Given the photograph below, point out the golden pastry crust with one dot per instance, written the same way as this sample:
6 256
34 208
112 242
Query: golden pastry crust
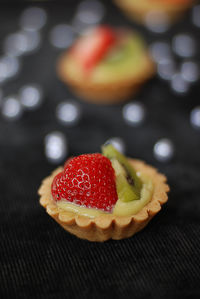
104 93
138 13
107 226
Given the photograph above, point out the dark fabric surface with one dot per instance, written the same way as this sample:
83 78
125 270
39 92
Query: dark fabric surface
38 259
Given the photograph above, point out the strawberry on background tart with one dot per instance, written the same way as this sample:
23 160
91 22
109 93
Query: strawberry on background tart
103 196
106 65
139 10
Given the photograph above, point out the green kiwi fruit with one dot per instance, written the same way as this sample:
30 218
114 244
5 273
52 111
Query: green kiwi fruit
128 183
124 189
121 62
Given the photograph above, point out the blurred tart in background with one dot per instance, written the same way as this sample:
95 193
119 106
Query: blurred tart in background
142 10
106 65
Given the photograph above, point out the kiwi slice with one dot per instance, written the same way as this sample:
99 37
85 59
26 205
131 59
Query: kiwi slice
124 189
118 54
129 175
123 62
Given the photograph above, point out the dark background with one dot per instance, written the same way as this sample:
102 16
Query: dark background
38 259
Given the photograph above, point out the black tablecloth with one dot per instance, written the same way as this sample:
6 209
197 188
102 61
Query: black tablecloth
38 259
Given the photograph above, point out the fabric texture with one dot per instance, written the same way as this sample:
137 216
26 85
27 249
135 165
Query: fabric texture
38 259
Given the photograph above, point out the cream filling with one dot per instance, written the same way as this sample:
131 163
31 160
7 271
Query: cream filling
120 209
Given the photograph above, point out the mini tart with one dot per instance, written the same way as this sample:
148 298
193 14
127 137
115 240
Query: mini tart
107 226
106 89
138 10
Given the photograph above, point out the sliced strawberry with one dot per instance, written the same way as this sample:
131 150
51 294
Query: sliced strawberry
90 49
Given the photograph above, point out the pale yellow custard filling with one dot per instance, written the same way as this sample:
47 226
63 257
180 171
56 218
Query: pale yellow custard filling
121 208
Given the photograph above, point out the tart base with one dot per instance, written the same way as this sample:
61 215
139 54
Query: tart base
107 226
139 13
103 93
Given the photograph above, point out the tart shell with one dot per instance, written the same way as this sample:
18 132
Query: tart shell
104 93
107 226
139 14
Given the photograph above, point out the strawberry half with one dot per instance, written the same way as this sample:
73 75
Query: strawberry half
88 181
90 49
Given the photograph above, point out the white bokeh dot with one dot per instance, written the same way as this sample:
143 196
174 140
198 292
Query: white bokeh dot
62 36
68 113
157 21
11 108
190 71
33 18
22 42
160 51
1 96
184 45
90 12
179 85
166 69
30 96
9 67
134 113
118 143
163 150
195 117
56 148
196 15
